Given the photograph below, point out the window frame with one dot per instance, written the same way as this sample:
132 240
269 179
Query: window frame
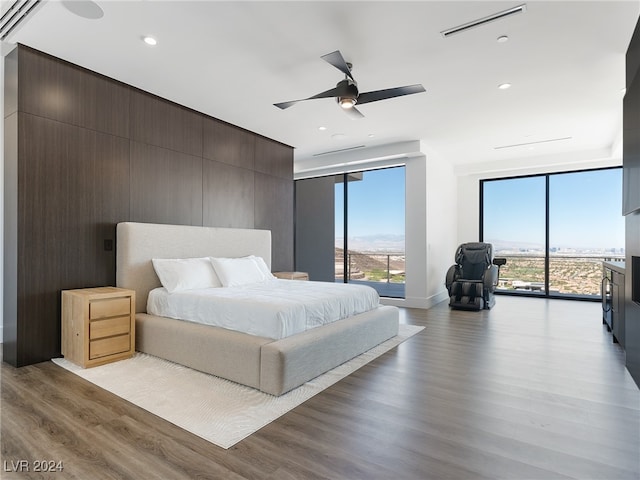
547 247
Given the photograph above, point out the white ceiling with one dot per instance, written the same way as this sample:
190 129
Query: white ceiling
234 60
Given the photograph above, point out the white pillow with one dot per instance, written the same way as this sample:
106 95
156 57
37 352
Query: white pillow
262 265
178 274
235 272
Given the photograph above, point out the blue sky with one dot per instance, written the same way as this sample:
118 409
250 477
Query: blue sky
585 210
376 204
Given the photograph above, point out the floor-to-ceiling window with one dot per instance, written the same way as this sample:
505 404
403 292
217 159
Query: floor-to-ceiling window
370 216
514 222
555 230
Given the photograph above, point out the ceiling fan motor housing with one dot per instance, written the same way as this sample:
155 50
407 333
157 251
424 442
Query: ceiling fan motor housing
349 93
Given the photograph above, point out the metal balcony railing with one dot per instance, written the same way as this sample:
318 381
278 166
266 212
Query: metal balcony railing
570 275
375 267
385 272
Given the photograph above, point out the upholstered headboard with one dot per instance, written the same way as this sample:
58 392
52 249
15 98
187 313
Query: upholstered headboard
138 243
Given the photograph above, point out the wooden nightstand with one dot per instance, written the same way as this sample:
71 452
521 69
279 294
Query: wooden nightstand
292 275
98 325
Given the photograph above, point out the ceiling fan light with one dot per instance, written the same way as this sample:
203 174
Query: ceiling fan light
346 102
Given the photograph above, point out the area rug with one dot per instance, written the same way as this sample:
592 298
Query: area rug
218 410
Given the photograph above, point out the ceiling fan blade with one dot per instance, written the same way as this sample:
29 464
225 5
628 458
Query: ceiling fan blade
354 113
339 91
368 97
337 60
284 105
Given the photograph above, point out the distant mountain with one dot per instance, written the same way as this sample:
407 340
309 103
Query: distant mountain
375 243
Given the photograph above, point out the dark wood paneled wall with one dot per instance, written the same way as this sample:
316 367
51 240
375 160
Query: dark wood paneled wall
84 152
631 153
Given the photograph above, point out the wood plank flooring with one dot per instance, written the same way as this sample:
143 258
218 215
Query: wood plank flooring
532 389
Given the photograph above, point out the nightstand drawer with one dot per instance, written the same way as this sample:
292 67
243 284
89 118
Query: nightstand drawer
109 346
110 307
109 327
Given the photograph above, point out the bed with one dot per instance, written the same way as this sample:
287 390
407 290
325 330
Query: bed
272 365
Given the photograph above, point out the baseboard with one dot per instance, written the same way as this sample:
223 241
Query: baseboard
439 297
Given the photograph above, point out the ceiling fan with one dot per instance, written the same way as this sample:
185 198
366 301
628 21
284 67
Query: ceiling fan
346 91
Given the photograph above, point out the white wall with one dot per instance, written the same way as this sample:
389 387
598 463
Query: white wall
416 280
467 219
442 215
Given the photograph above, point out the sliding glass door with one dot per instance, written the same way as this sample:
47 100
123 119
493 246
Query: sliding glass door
370 216
514 222
585 226
555 230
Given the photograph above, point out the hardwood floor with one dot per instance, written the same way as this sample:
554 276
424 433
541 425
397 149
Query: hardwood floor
532 389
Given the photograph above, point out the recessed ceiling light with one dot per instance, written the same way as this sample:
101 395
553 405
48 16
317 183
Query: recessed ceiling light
322 129
504 86
371 135
502 39
149 40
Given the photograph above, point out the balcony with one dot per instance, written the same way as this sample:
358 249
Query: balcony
385 272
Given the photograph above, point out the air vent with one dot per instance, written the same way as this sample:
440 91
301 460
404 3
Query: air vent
16 14
482 21
338 151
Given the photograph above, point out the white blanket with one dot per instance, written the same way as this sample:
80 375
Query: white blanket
273 309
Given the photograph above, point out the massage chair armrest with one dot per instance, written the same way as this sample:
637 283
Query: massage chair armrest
499 261
490 278
452 275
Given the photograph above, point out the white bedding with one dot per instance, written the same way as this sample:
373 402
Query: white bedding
273 309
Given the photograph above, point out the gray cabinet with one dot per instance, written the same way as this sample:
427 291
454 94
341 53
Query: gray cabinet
613 306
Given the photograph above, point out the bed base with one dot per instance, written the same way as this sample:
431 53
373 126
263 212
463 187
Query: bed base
272 366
